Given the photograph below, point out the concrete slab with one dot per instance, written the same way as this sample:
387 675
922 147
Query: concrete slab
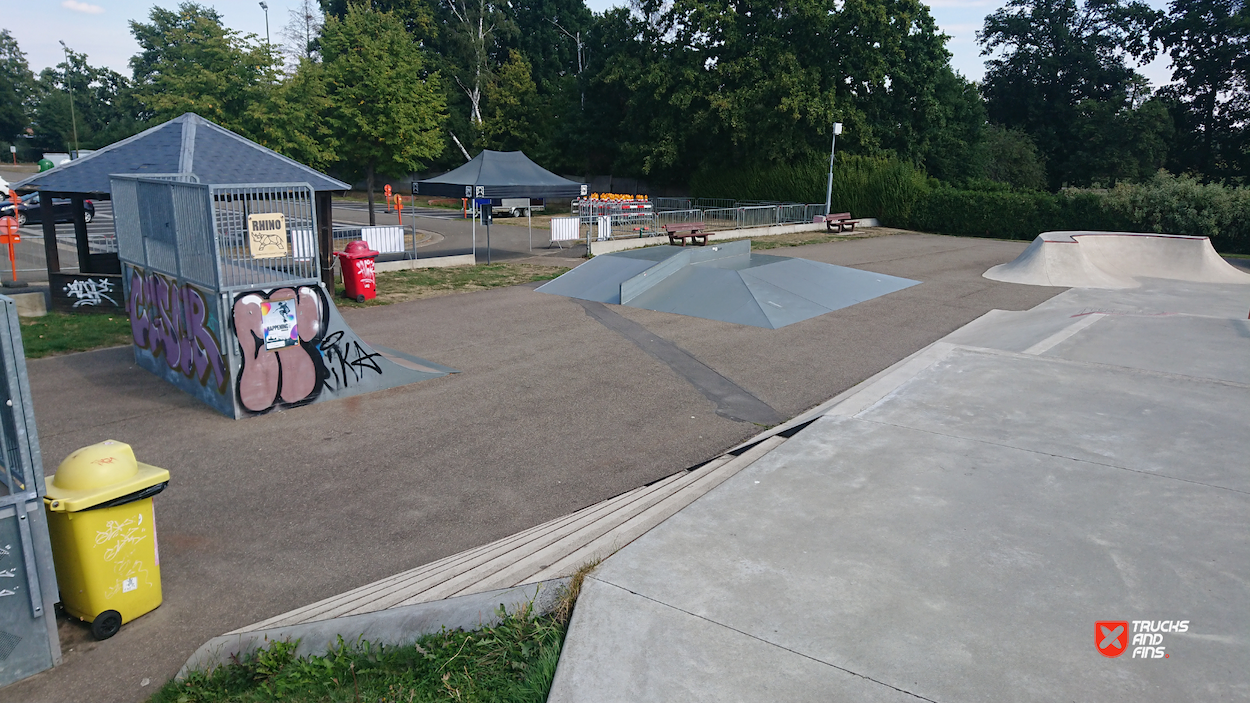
1180 426
949 568
712 659
955 529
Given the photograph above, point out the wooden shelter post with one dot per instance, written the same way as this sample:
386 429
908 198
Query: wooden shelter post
76 209
50 251
325 238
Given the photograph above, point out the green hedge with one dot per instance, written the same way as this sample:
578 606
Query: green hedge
864 186
1007 215
899 195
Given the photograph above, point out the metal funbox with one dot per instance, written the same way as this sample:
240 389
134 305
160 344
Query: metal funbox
222 289
28 589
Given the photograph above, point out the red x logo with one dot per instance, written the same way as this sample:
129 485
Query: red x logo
1111 637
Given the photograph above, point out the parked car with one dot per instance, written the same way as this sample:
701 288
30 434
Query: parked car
28 210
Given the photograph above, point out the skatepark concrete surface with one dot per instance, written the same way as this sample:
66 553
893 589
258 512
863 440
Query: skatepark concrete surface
553 410
1116 260
953 529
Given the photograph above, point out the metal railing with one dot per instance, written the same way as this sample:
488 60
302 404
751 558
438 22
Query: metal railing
199 233
231 206
738 215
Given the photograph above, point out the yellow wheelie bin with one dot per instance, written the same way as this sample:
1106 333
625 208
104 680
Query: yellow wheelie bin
99 507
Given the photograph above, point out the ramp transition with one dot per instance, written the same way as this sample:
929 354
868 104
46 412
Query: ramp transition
725 282
1115 260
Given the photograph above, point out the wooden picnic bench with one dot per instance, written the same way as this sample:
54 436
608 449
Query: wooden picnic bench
686 230
842 220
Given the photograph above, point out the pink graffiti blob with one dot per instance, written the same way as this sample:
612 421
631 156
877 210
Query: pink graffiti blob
289 373
173 321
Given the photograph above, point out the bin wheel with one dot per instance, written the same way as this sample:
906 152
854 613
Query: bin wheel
360 298
106 624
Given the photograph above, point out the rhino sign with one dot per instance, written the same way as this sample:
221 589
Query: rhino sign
266 235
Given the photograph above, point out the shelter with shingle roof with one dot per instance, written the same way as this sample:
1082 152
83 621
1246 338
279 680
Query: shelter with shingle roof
188 146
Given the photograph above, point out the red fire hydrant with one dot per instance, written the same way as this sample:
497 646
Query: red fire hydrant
360 281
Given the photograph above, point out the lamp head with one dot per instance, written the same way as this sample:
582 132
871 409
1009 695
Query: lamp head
837 128
264 7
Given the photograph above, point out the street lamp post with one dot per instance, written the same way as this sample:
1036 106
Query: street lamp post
73 120
265 7
837 129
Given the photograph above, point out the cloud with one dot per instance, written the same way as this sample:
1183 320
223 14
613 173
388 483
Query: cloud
86 7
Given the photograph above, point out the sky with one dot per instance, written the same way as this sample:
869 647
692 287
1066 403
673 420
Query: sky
101 30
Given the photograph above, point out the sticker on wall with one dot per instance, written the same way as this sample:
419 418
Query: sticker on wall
266 235
279 324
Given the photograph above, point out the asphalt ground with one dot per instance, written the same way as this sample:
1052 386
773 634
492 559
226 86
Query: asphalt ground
553 411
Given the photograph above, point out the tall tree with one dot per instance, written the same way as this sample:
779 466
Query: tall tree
516 119
1062 74
16 87
1209 44
104 107
385 108
189 62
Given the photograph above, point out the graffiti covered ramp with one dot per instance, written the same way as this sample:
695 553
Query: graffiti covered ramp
723 282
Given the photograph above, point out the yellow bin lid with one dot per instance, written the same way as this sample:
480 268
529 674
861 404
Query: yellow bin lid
97 474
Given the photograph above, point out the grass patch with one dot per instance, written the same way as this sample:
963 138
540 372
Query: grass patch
61 333
413 284
512 661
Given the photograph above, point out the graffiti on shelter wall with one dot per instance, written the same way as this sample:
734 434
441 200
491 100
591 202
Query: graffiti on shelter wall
176 322
290 354
89 291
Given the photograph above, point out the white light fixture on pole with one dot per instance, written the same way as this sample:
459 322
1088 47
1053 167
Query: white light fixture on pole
72 119
837 129
265 7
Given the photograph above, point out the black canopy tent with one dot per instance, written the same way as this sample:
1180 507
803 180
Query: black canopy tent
186 146
496 175
500 174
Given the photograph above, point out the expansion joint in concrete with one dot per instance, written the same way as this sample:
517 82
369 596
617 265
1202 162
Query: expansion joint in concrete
732 401
761 640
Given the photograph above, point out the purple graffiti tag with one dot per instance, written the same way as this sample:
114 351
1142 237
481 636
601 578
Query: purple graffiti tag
174 321
201 341
137 306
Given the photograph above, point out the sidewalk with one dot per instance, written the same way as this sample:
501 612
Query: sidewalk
953 530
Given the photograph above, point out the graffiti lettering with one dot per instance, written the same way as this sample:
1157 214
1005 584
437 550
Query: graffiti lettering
347 363
89 291
289 373
174 321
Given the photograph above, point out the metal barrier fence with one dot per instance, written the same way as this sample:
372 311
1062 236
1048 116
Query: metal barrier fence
670 204
738 215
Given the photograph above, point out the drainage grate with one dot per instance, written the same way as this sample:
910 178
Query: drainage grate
8 643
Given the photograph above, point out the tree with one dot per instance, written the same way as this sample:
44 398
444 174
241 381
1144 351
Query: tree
1209 44
104 108
385 109
292 118
302 29
1063 76
516 120
16 87
189 62
1010 157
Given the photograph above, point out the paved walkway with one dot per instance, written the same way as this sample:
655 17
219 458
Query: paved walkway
954 529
